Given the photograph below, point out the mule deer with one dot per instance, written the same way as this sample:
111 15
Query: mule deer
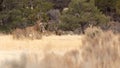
31 32
34 32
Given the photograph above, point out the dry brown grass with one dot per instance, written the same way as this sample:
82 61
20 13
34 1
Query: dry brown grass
51 49
95 49
69 60
53 42
34 60
100 49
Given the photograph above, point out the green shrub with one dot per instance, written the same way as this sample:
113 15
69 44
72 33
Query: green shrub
81 14
118 7
108 5
105 4
20 13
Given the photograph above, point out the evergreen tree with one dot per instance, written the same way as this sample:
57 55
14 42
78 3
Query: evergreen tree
20 13
117 7
81 14
105 5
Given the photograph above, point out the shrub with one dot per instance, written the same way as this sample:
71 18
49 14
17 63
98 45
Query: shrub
22 13
69 60
108 5
105 5
60 4
117 6
101 51
81 13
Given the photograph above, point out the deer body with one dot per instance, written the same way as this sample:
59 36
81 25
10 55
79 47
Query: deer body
31 32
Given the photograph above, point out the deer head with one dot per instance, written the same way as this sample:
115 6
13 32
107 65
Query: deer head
40 26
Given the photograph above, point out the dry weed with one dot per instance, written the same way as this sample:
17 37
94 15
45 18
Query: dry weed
100 49
18 33
15 63
68 60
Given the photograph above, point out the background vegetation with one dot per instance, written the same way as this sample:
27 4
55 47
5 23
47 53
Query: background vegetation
21 13
78 16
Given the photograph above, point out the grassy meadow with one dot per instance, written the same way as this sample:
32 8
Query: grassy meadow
97 49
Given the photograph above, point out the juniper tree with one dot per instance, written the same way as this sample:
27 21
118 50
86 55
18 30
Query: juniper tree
20 13
81 14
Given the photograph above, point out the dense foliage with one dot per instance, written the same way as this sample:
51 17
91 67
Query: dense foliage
79 14
20 13
117 6
108 5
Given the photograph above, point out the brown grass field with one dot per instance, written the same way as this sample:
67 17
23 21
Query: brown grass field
46 43
34 50
95 49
